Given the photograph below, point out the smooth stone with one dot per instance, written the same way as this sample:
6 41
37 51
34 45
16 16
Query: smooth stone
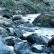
17 17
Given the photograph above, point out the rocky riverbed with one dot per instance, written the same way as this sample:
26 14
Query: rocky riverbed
18 35
26 27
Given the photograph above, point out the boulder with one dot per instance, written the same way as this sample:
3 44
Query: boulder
37 48
45 19
4 49
17 17
10 31
10 42
6 22
51 42
35 38
5 12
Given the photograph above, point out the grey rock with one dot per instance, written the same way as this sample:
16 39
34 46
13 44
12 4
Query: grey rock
51 42
43 39
18 32
3 32
10 31
6 22
9 40
37 48
22 48
4 49
17 17
18 20
34 38
5 12
17 40
46 19
48 49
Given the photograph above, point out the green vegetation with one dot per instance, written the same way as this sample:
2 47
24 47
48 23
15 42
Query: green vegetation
30 6
26 6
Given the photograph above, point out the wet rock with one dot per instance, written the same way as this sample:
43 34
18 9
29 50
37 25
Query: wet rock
10 31
7 16
17 40
4 49
46 20
51 42
34 38
48 49
9 40
43 39
3 32
37 48
22 48
17 17
28 38
4 21
5 12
